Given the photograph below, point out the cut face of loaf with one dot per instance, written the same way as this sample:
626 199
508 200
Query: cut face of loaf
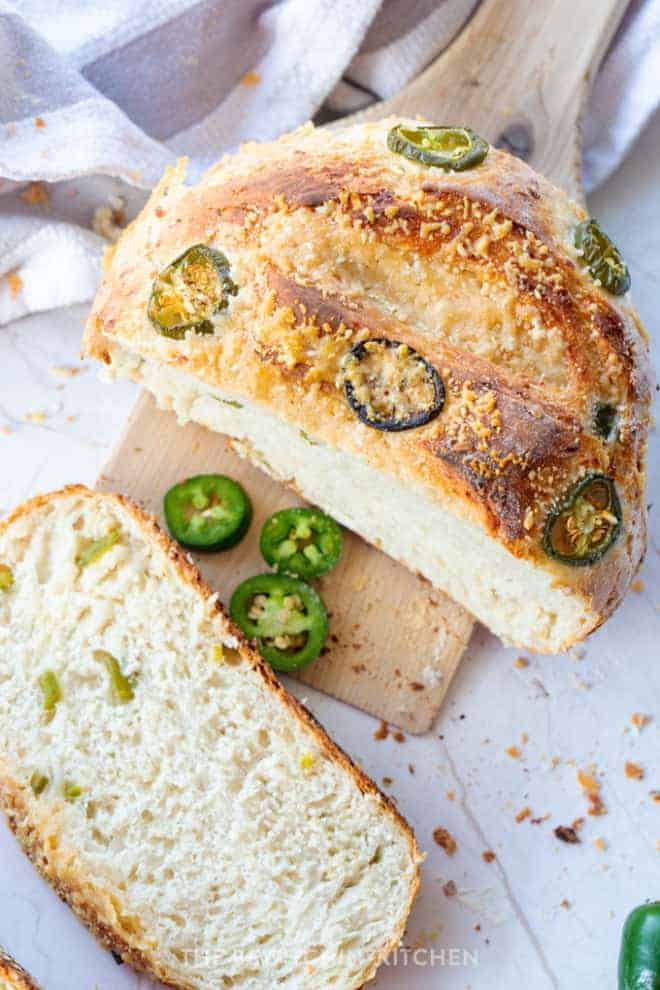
190 811
477 305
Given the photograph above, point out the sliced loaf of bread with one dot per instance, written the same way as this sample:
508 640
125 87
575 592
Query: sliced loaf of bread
191 812
13 976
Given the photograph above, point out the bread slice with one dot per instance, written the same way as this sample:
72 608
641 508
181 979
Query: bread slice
205 827
331 239
13 976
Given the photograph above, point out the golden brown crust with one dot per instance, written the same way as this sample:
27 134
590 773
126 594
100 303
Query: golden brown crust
14 976
82 898
517 430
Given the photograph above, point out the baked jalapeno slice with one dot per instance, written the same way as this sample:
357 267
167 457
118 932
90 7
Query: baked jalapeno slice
450 148
191 290
602 257
585 524
605 419
286 617
390 386
304 542
208 512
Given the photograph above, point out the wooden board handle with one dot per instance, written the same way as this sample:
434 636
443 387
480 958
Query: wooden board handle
519 74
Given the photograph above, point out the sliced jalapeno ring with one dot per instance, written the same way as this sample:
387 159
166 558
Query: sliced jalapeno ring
285 615
190 291
303 542
208 512
390 386
450 148
602 257
6 577
605 418
586 523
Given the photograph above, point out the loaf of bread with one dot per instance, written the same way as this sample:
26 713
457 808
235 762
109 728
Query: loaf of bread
446 361
190 811
13 976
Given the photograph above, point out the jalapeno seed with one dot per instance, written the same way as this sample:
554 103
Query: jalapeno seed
208 512
187 294
390 386
585 524
453 149
285 616
603 259
300 541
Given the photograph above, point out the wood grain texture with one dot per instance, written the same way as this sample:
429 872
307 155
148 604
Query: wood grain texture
394 642
519 74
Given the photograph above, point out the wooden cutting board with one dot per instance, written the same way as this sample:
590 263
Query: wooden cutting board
519 74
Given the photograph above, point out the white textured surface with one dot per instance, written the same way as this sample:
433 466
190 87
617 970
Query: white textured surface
576 708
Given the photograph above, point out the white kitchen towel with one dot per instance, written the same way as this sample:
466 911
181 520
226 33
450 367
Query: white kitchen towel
119 89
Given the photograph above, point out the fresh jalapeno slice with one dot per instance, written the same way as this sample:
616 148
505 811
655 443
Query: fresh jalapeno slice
286 617
304 542
639 957
602 257
191 290
390 386
450 148
586 523
208 512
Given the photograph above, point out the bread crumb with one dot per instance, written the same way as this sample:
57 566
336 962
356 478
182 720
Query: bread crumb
567 834
514 752
411 768
398 736
109 221
37 417
637 585
36 194
600 844
39 122
634 771
15 283
450 795
577 824
523 814
445 840
388 781
450 889
655 796
64 370
382 732
488 856
521 663
524 738
639 720
251 78
565 904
